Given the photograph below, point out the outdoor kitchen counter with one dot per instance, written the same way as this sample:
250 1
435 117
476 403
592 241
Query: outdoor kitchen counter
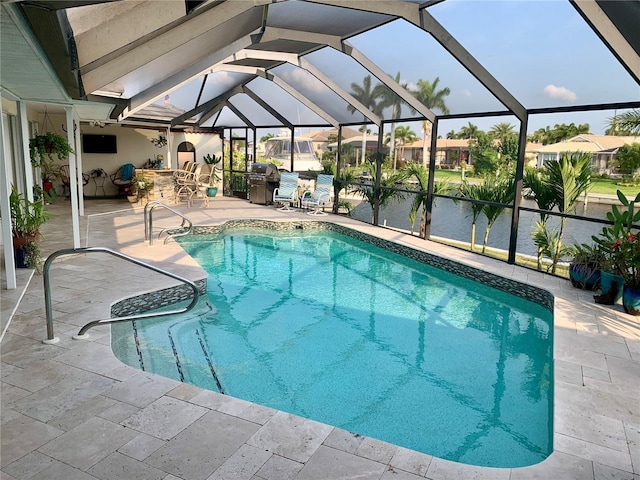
163 185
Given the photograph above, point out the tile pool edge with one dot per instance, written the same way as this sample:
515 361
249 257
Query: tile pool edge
155 299
522 290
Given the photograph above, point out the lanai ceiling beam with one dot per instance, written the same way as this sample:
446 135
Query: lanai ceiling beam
302 99
267 107
185 76
210 113
206 106
406 10
124 60
239 114
359 57
609 33
359 106
432 26
313 70
321 39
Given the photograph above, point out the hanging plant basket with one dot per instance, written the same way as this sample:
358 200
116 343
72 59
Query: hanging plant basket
47 145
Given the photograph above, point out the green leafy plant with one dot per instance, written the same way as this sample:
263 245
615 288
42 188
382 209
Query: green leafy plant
47 145
26 216
140 184
49 171
586 263
620 243
212 159
26 219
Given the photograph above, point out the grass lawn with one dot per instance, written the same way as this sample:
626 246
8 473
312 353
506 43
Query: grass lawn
600 185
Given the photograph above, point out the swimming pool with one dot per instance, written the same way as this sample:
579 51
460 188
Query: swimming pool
329 327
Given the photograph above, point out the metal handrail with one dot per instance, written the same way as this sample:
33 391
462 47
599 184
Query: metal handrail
82 333
148 221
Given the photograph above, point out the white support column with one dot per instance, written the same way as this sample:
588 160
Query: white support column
73 180
77 147
24 149
5 212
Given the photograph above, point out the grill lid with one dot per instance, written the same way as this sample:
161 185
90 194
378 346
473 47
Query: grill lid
266 170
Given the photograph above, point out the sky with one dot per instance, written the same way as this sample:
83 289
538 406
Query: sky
542 51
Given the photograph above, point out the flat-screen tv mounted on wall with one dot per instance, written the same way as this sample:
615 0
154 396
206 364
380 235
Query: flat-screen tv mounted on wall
99 144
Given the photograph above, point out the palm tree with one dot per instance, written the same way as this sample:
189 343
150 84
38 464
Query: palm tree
452 135
569 178
428 94
389 98
502 130
367 96
403 136
543 194
475 191
469 131
421 174
384 195
502 192
627 123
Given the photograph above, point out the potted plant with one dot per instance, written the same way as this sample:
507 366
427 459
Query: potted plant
49 171
626 253
98 173
26 219
212 159
622 248
584 269
46 146
140 186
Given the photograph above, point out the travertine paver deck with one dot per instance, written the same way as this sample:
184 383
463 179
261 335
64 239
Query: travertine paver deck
73 411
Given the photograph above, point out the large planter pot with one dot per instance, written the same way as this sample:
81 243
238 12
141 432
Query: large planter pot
212 191
47 186
631 300
611 288
583 277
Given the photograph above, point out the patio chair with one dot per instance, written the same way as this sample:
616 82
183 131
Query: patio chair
320 197
287 192
123 179
66 181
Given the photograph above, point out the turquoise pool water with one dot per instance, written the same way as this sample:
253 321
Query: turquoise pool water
333 329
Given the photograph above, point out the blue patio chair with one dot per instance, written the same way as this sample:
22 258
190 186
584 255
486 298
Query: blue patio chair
287 192
320 197
123 179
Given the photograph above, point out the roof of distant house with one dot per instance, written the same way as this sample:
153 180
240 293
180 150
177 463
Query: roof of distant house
588 143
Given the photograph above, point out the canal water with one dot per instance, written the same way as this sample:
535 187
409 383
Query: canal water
452 220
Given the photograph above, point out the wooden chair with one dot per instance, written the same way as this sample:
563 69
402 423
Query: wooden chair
66 180
123 179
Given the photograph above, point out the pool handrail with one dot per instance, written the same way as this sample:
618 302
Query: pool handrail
186 224
51 339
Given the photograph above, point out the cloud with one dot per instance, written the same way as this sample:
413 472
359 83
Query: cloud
560 93
302 79
466 92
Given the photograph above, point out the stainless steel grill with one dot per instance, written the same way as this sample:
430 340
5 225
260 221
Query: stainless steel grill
263 180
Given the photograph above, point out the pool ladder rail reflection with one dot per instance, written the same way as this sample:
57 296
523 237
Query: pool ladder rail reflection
51 339
184 228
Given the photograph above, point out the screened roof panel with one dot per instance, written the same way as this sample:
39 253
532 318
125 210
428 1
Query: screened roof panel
285 46
315 90
219 83
289 107
544 53
226 118
317 18
254 112
425 59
